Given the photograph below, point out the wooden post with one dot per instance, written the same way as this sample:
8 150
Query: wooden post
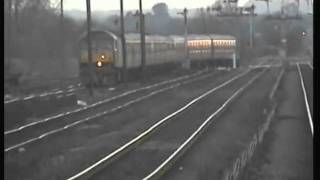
251 26
123 42
186 62
91 65
268 8
9 21
142 39
62 31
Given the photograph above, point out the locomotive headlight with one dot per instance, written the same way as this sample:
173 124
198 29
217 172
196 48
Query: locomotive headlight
99 64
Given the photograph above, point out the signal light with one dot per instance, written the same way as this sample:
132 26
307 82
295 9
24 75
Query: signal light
99 64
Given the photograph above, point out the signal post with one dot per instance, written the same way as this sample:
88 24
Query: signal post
186 62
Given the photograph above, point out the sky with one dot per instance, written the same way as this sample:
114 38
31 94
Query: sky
98 5
134 4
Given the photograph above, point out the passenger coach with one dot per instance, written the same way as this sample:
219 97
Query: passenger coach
165 51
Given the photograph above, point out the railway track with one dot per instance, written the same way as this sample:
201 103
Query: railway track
306 81
288 137
54 92
71 88
36 131
171 142
15 128
54 140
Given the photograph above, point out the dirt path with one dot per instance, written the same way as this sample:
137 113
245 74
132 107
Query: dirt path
287 150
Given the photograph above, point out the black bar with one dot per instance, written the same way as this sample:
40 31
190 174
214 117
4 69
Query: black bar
123 42
62 29
91 65
142 39
7 65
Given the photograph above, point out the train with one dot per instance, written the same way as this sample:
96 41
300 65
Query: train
107 64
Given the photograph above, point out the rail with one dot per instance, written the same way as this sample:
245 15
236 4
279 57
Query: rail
99 114
165 165
126 147
101 102
305 99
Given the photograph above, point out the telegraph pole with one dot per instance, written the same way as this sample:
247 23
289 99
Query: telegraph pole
298 7
91 65
123 42
251 26
186 62
16 4
268 8
282 8
142 39
9 35
62 30
283 39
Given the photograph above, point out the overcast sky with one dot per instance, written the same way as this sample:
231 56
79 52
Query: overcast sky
134 4
147 4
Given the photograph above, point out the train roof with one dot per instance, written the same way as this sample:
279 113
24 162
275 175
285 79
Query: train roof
222 37
135 38
210 36
198 37
98 33
177 39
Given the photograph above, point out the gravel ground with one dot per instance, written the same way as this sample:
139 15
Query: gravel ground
37 130
287 150
137 163
29 109
221 144
59 156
